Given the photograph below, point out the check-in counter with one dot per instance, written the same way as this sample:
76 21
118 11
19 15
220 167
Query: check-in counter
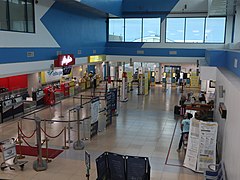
38 97
18 106
6 109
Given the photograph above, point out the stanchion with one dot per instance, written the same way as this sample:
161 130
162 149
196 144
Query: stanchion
39 164
79 144
19 141
47 159
65 139
61 116
81 106
69 128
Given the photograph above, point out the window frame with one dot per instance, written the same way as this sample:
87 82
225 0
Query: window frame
25 16
205 18
124 18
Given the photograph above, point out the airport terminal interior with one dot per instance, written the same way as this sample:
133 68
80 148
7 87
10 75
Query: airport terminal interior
119 89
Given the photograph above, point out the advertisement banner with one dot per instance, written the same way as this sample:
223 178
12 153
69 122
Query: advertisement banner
51 76
94 110
201 150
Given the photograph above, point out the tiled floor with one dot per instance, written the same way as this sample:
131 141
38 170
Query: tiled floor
145 126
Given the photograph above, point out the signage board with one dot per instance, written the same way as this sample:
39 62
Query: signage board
64 60
99 58
87 160
94 110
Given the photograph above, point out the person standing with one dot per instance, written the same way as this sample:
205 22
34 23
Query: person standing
185 125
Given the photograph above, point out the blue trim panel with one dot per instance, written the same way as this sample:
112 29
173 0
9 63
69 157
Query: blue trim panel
216 58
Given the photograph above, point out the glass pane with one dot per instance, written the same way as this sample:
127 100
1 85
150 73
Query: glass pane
133 29
175 30
151 30
30 15
116 30
17 15
194 30
3 15
215 30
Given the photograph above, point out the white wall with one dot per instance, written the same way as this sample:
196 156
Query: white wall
229 133
208 73
31 67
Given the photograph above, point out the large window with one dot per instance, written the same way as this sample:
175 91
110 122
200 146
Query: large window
215 30
116 30
195 30
134 30
175 30
17 15
151 30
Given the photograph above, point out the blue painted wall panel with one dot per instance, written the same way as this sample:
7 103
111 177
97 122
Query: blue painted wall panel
216 58
74 29
132 48
112 7
148 6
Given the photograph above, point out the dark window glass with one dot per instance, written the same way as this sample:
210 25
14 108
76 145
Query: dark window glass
17 15
3 15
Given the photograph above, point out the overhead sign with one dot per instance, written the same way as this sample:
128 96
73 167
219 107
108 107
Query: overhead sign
51 76
64 60
93 59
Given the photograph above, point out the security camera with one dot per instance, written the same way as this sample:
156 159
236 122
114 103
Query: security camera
36 1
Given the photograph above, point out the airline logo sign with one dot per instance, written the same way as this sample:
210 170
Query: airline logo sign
64 60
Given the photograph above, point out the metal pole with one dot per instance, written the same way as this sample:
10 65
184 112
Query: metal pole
79 144
69 129
39 164
81 103
61 115
65 138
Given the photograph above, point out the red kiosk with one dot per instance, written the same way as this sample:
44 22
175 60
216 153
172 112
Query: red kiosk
49 97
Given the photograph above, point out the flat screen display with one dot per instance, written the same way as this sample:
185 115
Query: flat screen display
67 70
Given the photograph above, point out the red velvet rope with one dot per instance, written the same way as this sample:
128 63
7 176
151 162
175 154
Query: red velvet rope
52 136
25 135
27 143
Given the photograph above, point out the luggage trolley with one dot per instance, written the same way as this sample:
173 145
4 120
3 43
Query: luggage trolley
8 148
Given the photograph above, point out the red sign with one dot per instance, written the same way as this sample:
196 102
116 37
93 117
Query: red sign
64 60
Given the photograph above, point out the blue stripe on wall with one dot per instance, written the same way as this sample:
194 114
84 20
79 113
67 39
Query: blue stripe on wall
132 48
216 58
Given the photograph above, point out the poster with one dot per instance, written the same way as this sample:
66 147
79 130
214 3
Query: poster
94 110
194 81
201 150
207 145
190 160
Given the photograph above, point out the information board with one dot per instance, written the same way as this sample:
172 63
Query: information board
201 150
94 109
